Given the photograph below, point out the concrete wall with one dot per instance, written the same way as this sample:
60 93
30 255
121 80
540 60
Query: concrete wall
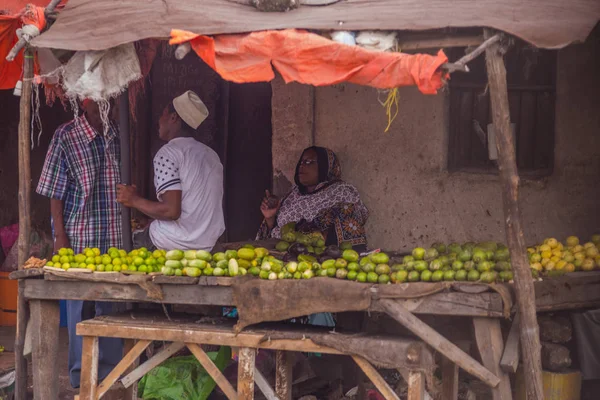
402 175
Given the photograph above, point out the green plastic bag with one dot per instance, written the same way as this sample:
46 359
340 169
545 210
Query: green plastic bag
181 378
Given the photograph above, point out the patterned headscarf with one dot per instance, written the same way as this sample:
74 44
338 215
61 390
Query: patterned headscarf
334 204
330 170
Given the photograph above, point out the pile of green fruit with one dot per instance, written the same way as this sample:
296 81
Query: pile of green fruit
483 262
296 243
114 260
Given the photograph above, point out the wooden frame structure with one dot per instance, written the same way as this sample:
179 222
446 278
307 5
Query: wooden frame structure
493 48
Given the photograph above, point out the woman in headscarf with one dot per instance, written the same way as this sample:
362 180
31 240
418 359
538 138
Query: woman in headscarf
320 201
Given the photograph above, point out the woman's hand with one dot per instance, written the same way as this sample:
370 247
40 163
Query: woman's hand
269 207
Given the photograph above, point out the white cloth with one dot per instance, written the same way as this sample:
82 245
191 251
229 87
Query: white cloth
192 167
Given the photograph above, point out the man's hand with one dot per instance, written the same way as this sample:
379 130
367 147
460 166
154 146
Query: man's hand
127 195
61 241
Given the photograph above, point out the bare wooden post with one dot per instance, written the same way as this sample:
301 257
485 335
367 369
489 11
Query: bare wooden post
509 178
488 337
283 374
89 368
246 361
449 380
45 316
24 219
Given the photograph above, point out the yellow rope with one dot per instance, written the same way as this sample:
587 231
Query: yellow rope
391 103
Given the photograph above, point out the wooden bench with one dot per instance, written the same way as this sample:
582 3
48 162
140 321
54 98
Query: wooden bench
139 331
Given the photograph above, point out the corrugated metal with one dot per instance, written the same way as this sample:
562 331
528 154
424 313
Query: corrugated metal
101 24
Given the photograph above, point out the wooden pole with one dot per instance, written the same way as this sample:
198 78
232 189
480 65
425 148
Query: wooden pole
509 178
124 139
24 219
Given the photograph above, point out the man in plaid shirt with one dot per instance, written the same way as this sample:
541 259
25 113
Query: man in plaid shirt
80 177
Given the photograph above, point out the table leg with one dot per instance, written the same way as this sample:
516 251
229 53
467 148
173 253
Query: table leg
45 321
283 377
89 368
449 380
488 336
416 385
246 362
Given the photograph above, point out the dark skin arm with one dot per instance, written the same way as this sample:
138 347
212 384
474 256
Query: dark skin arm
61 240
169 209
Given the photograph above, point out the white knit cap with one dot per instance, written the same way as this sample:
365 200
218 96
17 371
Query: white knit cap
190 108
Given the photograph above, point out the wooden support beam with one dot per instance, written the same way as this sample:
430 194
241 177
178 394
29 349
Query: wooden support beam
264 386
449 380
283 374
377 379
406 376
488 337
24 219
246 363
438 342
461 64
213 371
509 178
122 366
152 363
419 41
45 317
131 393
89 368
416 385
510 357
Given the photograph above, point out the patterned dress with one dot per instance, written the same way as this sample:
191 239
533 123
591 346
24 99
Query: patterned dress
333 207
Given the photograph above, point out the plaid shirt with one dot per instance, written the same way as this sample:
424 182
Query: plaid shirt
82 169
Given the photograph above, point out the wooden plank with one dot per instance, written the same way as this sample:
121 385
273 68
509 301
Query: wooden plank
45 316
89 368
150 364
172 294
488 337
246 367
213 371
283 374
174 280
406 376
449 380
380 383
510 358
24 200
416 386
215 281
577 290
487 304
263 385
26 273
509 178
131 393
122 366
416 41
438 342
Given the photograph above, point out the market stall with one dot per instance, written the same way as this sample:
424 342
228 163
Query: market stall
485 304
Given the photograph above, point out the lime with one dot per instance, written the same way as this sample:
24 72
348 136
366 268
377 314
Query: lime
297 275
399 267
341 273
117 268
372 277
380 258
220 272
117 261
331 272
281 246
437 276
352 275
132 268
414 276
350 256
401 276
383 269
364 260
322 272
64 259
142 268
138 260
101 268
65 265
368 267
109 268
63 252
97 260
56 259
458 265
96 251
361 277
178 272
353 266
420 266
418 253
407 259
479 256
79 258
461 275
435 265
341 263
473 275
106 260
449 275
426 275
383 279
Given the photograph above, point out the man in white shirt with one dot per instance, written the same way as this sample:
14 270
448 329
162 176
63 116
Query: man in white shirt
188 177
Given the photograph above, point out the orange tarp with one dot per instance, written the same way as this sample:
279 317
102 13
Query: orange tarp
304 57
10 72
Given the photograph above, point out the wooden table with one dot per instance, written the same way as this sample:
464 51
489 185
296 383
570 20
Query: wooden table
577 290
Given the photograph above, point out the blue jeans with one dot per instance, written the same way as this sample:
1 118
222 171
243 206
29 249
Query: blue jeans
110 349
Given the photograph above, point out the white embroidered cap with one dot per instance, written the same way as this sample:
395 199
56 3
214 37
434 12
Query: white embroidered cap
190 108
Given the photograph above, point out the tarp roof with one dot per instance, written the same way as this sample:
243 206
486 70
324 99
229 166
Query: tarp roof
101 24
